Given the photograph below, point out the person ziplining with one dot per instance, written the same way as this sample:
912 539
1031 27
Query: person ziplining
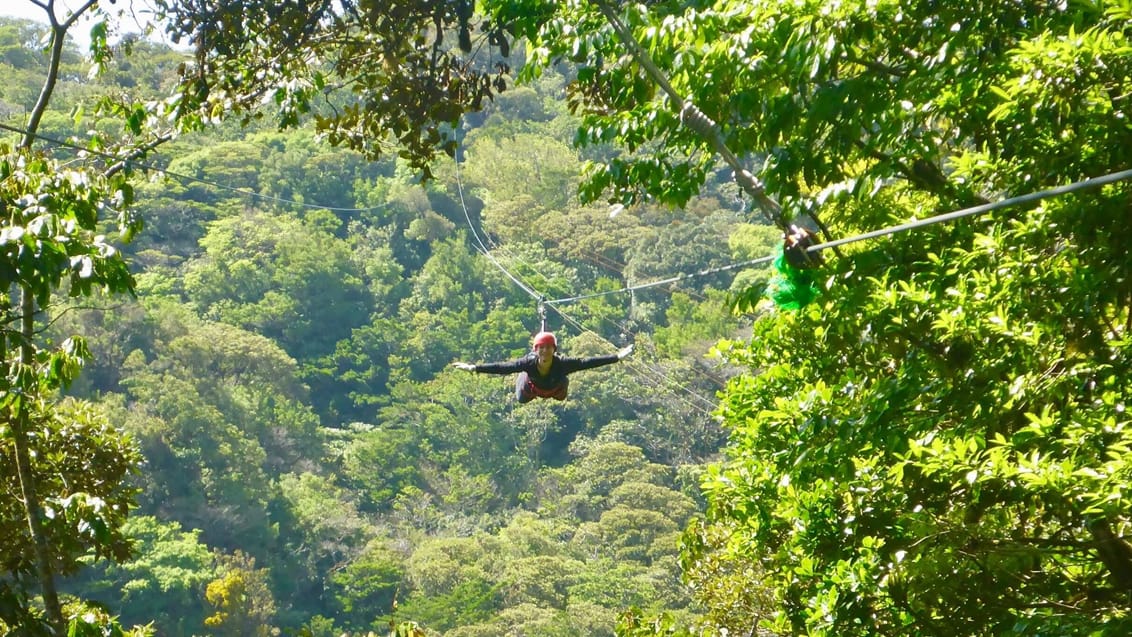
543 373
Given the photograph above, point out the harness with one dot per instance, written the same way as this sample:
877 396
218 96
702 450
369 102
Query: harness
540 392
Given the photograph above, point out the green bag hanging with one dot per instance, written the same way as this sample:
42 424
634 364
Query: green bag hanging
791 288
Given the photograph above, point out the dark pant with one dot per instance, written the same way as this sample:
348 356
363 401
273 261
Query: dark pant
526 391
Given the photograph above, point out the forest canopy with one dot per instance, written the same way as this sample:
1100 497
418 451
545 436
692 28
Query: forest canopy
935 445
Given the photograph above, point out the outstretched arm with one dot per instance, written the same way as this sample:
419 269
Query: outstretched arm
578 364
503 367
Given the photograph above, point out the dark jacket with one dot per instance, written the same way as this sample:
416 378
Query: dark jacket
560 366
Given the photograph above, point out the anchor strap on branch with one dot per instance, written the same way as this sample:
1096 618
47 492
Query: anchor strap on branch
698 121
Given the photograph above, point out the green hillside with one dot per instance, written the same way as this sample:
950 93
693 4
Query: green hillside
236 273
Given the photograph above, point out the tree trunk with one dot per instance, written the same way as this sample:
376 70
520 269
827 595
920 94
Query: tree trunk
58 38
1115 553
20 425
21 421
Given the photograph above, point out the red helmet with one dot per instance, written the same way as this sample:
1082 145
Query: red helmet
544 338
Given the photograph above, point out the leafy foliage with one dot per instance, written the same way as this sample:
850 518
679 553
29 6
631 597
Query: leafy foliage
164 582
925 427
242 599
83 464
404 81
53 218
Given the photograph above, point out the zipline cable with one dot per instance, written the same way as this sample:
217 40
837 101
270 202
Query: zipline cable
708 378
483 249
674 279
463 204
1083 184
662 380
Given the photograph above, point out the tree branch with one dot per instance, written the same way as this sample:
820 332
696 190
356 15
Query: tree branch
138 151
874 65
76 13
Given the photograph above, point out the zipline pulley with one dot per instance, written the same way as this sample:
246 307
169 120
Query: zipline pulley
796 244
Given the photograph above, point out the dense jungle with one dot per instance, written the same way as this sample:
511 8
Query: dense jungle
241 248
